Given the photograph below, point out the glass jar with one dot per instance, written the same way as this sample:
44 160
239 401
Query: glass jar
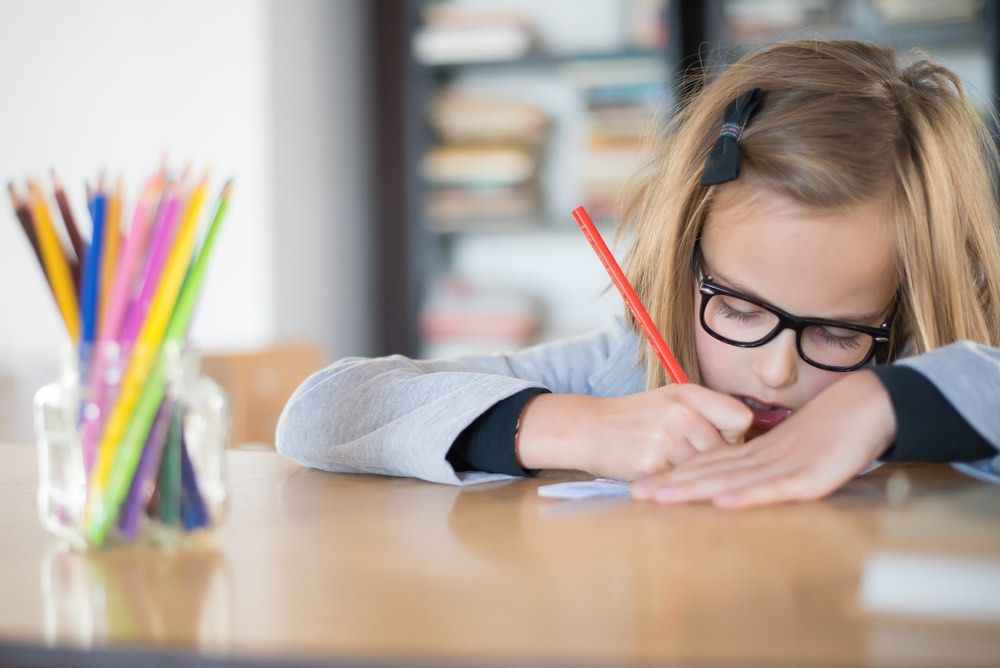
150 461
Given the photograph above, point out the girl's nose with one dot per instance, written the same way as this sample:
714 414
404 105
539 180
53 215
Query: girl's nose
777 361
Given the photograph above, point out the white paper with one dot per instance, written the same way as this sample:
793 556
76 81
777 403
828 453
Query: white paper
589 489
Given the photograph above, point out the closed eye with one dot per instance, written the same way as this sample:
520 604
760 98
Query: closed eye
728 311
845 342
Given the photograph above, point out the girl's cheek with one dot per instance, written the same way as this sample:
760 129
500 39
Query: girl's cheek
719 362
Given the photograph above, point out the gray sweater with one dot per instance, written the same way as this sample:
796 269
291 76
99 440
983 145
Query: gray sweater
398 416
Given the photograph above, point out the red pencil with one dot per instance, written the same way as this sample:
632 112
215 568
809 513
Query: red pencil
28 225
667 359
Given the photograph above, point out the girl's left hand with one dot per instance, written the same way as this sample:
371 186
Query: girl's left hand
807 456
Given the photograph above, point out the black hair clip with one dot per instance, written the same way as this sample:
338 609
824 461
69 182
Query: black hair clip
724 161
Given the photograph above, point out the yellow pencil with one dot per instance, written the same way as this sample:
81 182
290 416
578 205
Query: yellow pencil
109 254
55 262
146 347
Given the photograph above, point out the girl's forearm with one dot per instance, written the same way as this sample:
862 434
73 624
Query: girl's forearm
552 432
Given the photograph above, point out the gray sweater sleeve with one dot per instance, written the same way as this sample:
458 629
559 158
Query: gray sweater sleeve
968 375
398 416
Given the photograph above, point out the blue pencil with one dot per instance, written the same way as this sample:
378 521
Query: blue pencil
91 277
193 512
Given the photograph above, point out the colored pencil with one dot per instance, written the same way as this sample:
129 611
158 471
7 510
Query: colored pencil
109 492
149 464
163 234
130 259
169 482
112 319
184 311
131 417
23 214
147 342
663 354
92 274
129 307
56 265
109 252
193 512
69 220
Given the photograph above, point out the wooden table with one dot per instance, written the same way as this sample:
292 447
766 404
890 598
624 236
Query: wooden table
313 567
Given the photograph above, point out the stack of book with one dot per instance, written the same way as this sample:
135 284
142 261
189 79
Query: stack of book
622 103
460 318
756 21
454 35
483 170
905 12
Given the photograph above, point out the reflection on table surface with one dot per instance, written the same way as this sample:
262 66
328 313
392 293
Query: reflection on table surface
312 564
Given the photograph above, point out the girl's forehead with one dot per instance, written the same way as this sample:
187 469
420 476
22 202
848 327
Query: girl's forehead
808 261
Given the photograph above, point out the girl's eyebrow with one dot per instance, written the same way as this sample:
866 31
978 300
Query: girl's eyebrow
851 318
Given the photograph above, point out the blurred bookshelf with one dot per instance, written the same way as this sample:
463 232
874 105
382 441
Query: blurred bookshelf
496 119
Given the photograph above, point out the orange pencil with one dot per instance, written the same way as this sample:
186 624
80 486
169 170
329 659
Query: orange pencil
56 265
109 254
667 359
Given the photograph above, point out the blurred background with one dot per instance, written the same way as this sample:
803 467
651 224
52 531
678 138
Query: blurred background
405 170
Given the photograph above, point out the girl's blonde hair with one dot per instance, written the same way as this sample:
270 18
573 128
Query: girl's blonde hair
842 123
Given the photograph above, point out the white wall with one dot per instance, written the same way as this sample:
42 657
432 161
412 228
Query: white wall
244 85
115 84
321 173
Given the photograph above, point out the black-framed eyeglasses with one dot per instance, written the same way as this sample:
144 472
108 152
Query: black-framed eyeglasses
747 322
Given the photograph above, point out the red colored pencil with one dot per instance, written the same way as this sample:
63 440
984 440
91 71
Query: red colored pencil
79 247
28 225
667 359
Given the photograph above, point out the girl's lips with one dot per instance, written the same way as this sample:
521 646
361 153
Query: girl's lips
766 415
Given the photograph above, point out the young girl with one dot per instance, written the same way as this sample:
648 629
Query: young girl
816 209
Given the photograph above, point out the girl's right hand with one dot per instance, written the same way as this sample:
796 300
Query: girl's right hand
628 437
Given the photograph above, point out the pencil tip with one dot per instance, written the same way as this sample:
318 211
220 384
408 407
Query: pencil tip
152 185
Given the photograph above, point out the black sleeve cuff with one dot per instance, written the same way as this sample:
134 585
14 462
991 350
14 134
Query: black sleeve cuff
488 443
928 427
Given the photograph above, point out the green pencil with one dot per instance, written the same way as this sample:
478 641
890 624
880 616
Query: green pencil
170 471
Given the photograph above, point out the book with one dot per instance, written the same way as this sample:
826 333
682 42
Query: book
452 35
501 165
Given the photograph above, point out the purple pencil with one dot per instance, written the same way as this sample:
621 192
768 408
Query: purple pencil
159 250
145 472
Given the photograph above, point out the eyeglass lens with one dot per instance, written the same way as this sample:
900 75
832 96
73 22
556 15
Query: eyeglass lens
744 322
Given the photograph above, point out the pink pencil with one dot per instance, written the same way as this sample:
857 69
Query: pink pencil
160 247
96 396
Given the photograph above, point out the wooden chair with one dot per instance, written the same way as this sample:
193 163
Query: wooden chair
258 384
